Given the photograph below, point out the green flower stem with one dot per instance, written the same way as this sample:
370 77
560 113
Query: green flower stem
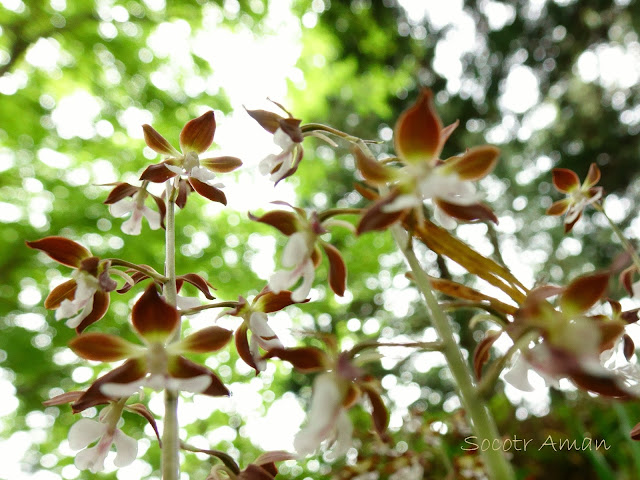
170 438
482 422
116 262
624 240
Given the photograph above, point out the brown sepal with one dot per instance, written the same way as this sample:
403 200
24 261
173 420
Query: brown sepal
337 269
62 250
208 191
303 359
100 306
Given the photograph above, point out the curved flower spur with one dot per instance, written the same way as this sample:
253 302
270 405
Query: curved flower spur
195 138
419 138
158 364
303 250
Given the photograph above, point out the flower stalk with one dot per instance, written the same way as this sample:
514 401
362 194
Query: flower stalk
482 422
624 240
170 439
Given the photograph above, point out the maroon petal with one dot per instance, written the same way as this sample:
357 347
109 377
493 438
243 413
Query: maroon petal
255 472
560 207
197 281
417 133
287 222
565 180
268 120
197 134
157 142
593 176
128 372
337 269
269 302
67 397
152 317
242 346
476 163
374 172
482 351
467 213
157 173
184 189
180 367
144 412
208 339
583 293
162 208
375 218
64 291
120 191
102 347
100 306
62 250
221 164
303 359
379 412
207 191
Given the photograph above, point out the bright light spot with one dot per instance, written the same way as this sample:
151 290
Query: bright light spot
132 119
614 66
45 54
75 115
9 213
498 14
520 90
287 415
53 159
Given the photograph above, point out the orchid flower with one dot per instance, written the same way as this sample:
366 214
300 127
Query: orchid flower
127 199
159 364
84 299
578 196
419 139
571 341
195 138
335 391
86 431
286 135
302 254
255 319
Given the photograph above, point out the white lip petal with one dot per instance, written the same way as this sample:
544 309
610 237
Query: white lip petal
174 169
133 226
122 207
84 432
518 374
283 279
443 219
119 390
344 435
308 274
402 202
295 251
635 288
152 217
255 353
185 303
281 139
323 415
265 336
267 164
126 447
194 384
202 174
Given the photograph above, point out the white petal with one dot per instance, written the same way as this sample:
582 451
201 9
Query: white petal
185 303
323 415
119 390
194 384
133 226
254 349
283 279
263 332
202 174
402 202
281 139
518 374
152 217
443 219
308 274
635 288
285 159
268 163
296 250
84 432
122 207
174 169
126 447
67 308
344 434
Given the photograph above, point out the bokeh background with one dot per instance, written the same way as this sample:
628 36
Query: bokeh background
551 82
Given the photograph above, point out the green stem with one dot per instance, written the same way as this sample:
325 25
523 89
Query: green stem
116 262
482 422
624 240
170 438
